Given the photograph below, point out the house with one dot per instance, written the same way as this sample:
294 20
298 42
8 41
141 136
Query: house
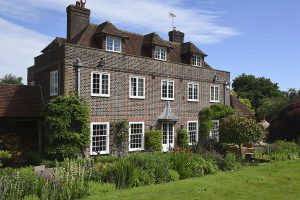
151 82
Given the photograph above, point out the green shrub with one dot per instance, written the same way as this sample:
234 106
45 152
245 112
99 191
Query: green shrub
102 172
34 158
180 163
48 163
68 117
125 174
106 159
153 140
173 175
31 197
182 138
202 165
229 162
145 178
4 155
120 134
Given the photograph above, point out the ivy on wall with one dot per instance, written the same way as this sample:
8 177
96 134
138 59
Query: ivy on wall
206 115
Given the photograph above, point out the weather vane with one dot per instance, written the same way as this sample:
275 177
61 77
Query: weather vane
172 15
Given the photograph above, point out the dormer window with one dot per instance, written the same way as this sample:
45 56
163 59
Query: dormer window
196 60
160 53
113 44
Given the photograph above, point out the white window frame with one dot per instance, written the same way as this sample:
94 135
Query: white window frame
188 122
213 135
168 81
158 53
114 39
214 99
197 60
142 139
137 87
100 84
193 91
107 138
53 83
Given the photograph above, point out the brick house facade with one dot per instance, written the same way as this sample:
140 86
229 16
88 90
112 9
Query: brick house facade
123 75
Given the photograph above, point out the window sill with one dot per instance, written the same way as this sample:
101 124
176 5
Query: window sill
99 95
193 100
53 95
101 153
113 51
167 99
214 101
133 97
139 149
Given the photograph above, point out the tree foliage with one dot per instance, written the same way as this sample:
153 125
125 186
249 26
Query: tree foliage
182 138
68 117
292 94
255 89
270 107
153 140
286 125
120 136
10 79
206 115
239 130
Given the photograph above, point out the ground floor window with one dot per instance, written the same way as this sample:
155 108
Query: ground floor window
99 138
215 130
168 136
136 136
192 128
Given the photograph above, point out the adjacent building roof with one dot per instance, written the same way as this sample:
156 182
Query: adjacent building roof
20 101
167 115
239 107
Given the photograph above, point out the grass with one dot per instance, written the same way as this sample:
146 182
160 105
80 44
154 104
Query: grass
278 180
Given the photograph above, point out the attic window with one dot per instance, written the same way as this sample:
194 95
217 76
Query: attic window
160 53
113 44
196 61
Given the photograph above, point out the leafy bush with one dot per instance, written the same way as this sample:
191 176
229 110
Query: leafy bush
173 175
182 138
145 178
229 162
153 140
106 159
4 155
68 117
180 163
125 174
34 158
120 136
239 130
102 172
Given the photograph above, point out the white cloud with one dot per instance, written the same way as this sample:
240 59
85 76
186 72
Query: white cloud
18 47
199 25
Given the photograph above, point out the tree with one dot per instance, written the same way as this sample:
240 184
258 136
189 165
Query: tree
286 125
68 117
255 89
10 79
238 130
270 107
120 136
292 94
206 115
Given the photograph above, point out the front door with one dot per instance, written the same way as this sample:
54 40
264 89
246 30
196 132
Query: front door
168 136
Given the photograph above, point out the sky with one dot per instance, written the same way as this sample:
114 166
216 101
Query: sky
255 37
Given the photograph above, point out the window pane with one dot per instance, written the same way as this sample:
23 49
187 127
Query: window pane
117 45
96 83
212 91
141 87
170 90
164 89
105 84
133 87
109 44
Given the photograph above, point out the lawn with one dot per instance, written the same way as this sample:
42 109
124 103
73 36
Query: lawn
279 180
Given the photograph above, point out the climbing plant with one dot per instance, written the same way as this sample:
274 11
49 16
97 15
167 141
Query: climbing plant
120 136
206 115
68 118
182 138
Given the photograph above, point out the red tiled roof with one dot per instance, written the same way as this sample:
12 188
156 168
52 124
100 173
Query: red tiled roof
20 101
239 107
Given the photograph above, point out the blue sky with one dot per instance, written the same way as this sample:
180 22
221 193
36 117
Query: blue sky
253 37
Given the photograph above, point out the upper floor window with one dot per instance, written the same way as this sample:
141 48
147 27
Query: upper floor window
192 128
196 60
160 53
113 44
99 138
214 93
100 84
136 136
137 87
167 90
193 92
54 83
214 133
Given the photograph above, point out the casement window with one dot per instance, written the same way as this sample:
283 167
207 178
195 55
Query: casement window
167 90
100 84
214 133
113 44
193 94
137 87
214 93
192 128
99 138
136 136
54 83
196 60
160 53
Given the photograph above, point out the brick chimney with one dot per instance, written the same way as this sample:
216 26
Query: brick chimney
78 18
176 36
